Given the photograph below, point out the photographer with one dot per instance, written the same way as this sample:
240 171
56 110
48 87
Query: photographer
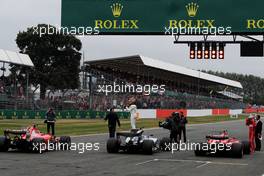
258 133
172 124
50 120
183 122
176 129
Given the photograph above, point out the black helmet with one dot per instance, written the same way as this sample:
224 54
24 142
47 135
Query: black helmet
175 114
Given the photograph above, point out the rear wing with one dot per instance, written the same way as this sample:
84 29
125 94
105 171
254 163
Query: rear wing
217 137
15 132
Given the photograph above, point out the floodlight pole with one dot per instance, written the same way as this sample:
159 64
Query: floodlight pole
90 91
27 87
198 82
15 88
84 74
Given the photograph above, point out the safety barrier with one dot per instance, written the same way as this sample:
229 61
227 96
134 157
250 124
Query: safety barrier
164 113
66 114
143 113
220 112
253 110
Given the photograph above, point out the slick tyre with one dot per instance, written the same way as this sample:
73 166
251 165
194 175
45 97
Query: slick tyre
147 147
199 150
4 144
38 145
237 150
246 147
112 145
65 142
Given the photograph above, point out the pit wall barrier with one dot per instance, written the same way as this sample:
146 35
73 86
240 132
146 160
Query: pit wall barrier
220 112
254 110
147 113
199 112
236 111
66 114
164 113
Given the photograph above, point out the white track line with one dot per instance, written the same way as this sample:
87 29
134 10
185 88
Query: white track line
145 162
88 135
203 163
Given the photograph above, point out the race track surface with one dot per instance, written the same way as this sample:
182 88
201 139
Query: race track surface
98 163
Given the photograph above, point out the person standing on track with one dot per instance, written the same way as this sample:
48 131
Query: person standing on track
170 124
50 120
250 122
183 122
258 133
113 119
175 132
132 108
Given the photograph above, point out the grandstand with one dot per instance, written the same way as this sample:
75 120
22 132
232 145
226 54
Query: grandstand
14 95
185 88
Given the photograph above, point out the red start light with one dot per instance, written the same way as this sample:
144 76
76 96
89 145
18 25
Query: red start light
192 50
213 54
221 50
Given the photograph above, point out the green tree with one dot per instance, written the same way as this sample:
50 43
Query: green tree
56 58
253 86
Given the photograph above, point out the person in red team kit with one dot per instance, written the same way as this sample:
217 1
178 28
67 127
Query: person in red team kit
250 122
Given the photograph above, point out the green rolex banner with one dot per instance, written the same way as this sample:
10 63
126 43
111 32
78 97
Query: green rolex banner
152 16
64 114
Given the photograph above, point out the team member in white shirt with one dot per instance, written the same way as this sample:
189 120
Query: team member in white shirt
132 108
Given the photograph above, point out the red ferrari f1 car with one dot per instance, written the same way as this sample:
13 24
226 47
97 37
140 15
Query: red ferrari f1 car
221 144
32 140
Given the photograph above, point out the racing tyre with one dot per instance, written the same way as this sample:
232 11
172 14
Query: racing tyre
38 145
237 150
199 151
4 144
147 147
165 144
65 142
246 147
112 145
26 146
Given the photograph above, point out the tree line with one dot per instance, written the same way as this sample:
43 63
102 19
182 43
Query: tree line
253 86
